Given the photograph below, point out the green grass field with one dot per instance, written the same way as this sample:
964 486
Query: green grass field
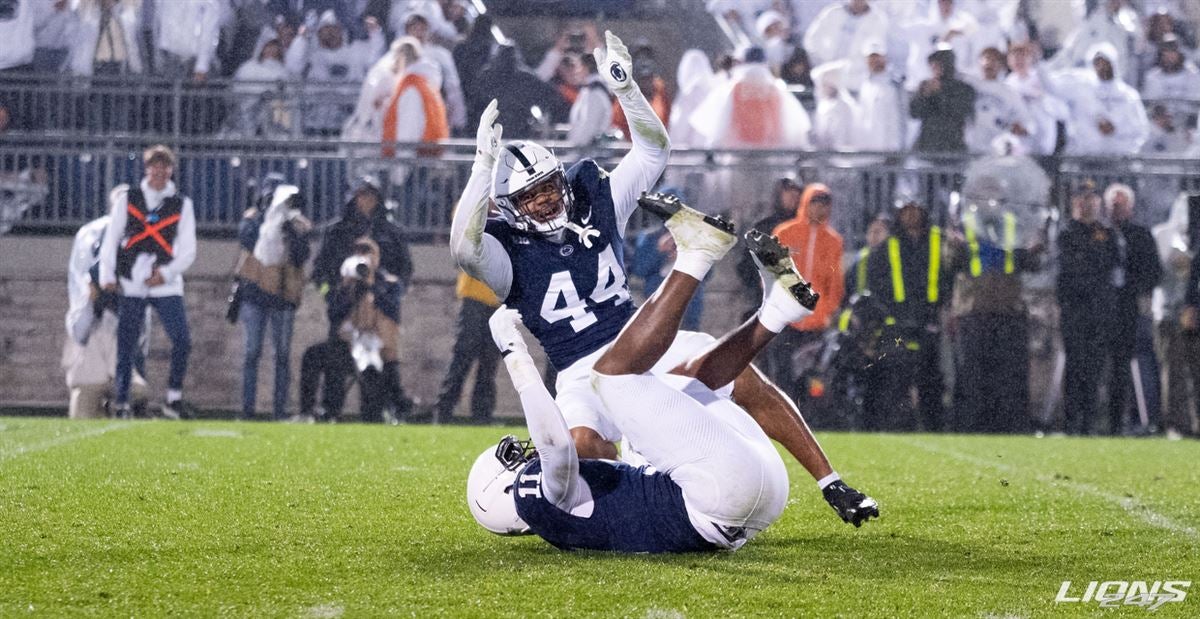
222 519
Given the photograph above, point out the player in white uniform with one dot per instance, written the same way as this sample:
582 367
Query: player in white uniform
556 257
716 479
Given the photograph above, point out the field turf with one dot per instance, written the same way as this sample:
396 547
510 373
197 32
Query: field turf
205 519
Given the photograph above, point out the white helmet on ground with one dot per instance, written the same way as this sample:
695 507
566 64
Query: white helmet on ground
530 188
490 487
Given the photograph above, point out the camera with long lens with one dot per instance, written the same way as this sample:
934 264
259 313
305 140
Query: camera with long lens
357 266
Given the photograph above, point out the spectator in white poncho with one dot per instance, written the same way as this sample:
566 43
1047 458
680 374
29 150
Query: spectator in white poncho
754 110
332 60
1112 21
840 32
90 351
1107 115
695 80
833 125
882 115
1000 113
947 24
1045 110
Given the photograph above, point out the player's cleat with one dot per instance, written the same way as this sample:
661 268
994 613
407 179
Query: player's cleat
705 236
851 505
665 206
775 259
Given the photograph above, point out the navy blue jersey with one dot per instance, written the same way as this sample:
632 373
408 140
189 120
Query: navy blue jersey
572 298
634 511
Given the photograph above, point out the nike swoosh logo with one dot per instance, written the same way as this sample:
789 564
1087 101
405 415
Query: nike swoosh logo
481 508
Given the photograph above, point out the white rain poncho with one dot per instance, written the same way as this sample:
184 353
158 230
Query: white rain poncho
925 36
754 110
1171 238
836 34
997 108
1122 30
833 126
1092 100
695 79
271 247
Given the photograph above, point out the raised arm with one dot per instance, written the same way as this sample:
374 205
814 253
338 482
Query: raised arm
561 484
640 169
479 254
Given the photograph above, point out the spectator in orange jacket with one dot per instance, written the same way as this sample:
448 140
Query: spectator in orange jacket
817 250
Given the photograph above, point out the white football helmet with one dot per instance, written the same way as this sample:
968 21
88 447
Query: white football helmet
490 487
530 188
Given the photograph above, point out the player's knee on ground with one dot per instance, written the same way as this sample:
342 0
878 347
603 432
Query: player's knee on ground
589 444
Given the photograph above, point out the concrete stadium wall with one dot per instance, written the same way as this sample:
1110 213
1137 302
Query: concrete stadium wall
33 302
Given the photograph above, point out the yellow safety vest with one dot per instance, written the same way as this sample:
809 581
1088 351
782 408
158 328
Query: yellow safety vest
935 266
1010 241
860 287
861 269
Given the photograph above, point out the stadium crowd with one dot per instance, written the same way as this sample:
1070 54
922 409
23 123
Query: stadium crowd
933 75
941 76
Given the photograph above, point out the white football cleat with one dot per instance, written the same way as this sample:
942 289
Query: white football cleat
694 232
787 297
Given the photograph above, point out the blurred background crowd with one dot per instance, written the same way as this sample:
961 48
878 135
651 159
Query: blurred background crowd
993 196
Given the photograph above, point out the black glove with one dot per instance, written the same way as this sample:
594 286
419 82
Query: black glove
851 505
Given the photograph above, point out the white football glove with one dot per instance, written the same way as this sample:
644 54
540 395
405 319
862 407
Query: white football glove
503 324
487 137
616 65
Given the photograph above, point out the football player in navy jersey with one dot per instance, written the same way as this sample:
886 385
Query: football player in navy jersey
714 478
556 256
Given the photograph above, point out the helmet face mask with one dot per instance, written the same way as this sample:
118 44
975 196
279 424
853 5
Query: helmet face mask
531 190
491 484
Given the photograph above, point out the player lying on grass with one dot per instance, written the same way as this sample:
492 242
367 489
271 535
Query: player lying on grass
556 256
714 478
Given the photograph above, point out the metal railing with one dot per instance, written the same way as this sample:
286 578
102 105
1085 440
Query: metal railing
78 175
146 105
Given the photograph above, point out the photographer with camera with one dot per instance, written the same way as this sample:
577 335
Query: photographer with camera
90 351
364 311
270 283
364 217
